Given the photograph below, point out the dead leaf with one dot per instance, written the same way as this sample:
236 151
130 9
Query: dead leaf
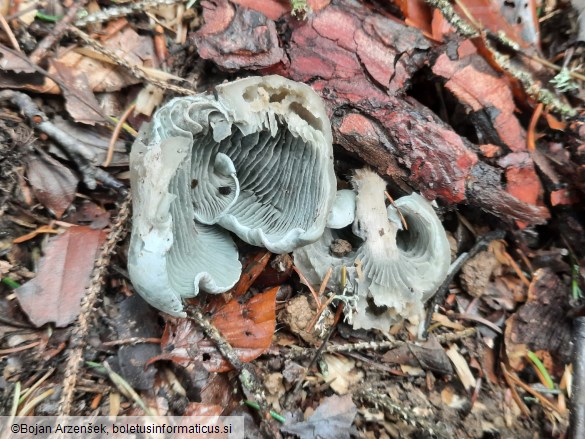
417 13
461 367
102 74
493 16
95 139
486 96
429 356
89 214
247 327
331 420
55 294
53 184
9 60
80 101
522 182
341 373
541 323
477 272
135 318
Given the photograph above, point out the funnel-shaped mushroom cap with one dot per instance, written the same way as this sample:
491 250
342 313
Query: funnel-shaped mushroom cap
396 270
255 158
401 268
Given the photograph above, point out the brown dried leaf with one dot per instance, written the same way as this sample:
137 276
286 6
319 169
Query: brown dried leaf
516 20
103 75
80 101
541 323
12 61
475 84
247 327
53 184
428 356
96 139
55 294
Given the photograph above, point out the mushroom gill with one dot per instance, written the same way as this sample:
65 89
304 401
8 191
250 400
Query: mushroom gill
395 270
255 158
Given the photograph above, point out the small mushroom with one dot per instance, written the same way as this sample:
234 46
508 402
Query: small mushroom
395 270
343 211
255 158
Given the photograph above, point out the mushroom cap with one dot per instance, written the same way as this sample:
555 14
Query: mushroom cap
401 280
255 158
395 270
343 211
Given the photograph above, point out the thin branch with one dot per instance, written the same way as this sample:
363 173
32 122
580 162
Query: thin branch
50 40
80 154
77 341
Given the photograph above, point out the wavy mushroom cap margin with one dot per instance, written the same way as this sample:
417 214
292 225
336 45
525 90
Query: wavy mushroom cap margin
255 158
394 271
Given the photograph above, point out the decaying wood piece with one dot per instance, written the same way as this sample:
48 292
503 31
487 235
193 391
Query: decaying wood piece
360 62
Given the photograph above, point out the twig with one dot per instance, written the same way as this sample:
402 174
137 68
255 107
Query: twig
41 50
122 385
292 396
525 411
439 296
397 209
131 341
132 68
376 345
531 132
529 84
577 416
122 11
79 333
383 400
34 402
11 37
116 134
545 402
82 156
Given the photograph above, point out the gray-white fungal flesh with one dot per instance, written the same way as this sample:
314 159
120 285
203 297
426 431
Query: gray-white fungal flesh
255 158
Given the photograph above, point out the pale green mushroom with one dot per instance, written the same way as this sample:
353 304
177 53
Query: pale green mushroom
393 271
255 158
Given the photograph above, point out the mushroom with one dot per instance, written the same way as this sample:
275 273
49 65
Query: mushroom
343 211
255 158
395 270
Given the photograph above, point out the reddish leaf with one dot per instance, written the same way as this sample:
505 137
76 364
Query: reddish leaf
255 265
9 60
518 22
247 327
475 85
521 179
55 294
53 184
417 13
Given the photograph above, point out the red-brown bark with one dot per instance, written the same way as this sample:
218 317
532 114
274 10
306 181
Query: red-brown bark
361 62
